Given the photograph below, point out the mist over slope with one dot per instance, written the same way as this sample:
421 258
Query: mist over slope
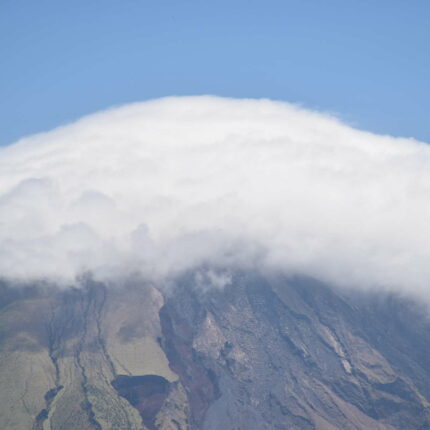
168 185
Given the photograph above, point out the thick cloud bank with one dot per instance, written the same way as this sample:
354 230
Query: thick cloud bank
171 184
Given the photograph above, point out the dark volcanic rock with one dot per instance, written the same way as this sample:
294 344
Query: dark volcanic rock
146 393
296 354
199 381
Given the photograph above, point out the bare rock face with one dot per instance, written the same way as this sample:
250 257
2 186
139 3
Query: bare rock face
258 352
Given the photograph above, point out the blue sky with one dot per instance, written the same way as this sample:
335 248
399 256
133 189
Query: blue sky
366 61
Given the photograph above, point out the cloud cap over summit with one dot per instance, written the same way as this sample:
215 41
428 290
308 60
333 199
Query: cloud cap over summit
171 184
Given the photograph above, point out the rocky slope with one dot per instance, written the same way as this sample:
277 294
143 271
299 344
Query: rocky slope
262 352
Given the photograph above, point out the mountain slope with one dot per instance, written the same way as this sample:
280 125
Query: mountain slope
262 352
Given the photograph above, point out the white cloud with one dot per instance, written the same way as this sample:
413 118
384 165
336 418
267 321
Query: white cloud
175 183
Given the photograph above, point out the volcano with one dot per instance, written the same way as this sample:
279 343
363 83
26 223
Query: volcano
214 264
264 352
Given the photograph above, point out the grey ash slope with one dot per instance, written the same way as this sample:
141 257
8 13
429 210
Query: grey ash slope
297 355
261 353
